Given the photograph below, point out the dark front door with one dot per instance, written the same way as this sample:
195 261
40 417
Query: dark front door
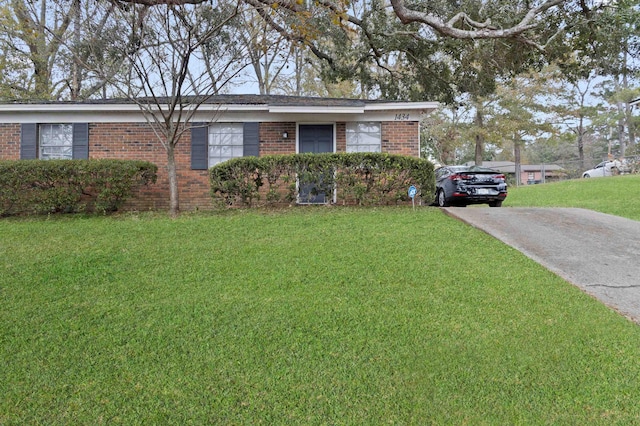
314 138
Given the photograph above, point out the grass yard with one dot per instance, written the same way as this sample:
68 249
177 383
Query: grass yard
617 195
307 316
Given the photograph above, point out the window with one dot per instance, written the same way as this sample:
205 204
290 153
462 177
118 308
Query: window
50 141
226 141
364 137
55 141
214 143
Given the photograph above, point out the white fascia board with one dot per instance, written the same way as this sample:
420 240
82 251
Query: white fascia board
307 109
395 106
402 106
327 109
108 113
105 113
113 108
66 108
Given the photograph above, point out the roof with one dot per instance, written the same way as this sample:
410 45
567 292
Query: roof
247 99
272 103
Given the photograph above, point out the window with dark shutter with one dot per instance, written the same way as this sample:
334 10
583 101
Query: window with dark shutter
29 141
54 141
217 142
81 141
251 140
199 146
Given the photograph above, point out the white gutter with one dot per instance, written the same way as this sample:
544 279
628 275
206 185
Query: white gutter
131 112
61 108
288 109
396 106
317 109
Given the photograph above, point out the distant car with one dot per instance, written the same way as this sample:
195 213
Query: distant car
606 168
464 185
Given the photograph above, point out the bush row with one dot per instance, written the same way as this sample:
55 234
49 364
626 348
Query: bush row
357 178
67 186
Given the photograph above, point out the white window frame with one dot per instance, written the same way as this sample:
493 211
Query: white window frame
224 142
55 141
364 136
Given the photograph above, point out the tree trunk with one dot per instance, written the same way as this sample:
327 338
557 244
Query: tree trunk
518 161
299 65
75 66
580 142
479 122
631 127
621 127
174 204
627 110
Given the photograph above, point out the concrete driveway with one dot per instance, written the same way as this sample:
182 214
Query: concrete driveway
597 252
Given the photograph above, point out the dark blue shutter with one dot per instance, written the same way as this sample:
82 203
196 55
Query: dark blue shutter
199 146
80 141
251 140
29 142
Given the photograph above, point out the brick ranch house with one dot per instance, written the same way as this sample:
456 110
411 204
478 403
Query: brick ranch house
226 126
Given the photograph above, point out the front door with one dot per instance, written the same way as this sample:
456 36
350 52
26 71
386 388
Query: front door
314 138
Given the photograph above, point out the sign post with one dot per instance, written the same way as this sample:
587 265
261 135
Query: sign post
412 193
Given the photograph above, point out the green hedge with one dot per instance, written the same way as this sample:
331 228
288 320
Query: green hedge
69 186
355 178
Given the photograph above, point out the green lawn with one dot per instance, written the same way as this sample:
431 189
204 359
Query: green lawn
307 316
618 195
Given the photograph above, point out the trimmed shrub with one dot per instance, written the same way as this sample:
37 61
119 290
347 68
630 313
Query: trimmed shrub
70 186
354 178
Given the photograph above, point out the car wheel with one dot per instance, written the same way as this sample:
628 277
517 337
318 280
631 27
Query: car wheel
442 200
586 175
495 203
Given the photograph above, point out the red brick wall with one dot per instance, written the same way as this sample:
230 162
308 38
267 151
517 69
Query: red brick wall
137 141
9 141
341 137
272 142
400 137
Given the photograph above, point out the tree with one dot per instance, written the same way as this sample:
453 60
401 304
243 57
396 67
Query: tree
399 53
167 74
441 134
520 118
611 51
33 33
575 111
461 25
89 47
44 44
269 51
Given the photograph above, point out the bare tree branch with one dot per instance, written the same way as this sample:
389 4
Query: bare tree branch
266 15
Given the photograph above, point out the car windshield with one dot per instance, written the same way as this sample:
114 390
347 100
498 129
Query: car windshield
472 169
